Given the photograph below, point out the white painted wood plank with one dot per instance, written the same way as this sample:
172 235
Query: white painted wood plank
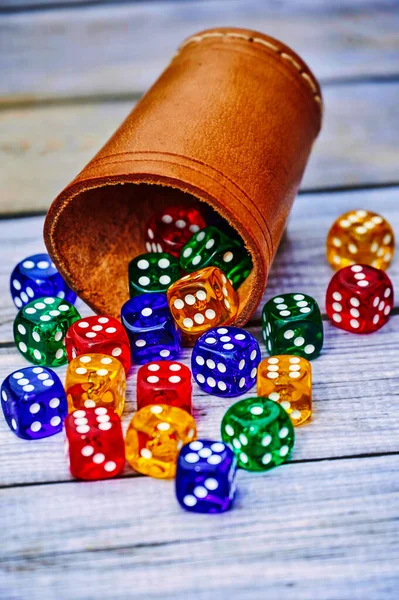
300 264
122 48
354 411
288 6
57 141
300 532
355 398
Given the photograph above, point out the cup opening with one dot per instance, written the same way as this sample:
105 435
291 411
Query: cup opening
101 229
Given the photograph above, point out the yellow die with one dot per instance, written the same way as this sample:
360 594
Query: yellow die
360 237
287 380
95 380
154 438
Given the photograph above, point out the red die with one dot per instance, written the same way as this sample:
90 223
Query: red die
164 382
359 298
170 229
96 444
98 335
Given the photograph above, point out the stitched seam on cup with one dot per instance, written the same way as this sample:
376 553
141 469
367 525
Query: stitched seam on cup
255 40
150 152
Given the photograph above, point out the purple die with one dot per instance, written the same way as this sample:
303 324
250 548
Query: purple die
34 402
36 277
225 361
205 477
151 329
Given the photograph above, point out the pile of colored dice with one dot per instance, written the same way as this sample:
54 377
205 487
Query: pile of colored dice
184 290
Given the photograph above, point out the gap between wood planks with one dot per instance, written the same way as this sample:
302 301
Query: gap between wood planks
26 6
140 37
308 191
12 103
135 475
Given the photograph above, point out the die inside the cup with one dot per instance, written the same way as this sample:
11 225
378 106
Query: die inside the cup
103 229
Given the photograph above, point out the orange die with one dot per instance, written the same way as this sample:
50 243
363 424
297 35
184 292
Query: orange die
95 380
360 237
287 380
202 300
154 438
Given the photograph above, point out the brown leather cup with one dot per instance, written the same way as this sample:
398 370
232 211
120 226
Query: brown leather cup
230 122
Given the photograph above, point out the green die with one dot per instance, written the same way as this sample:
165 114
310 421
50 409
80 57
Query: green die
210 247
259 432
152 272
40 328
292 324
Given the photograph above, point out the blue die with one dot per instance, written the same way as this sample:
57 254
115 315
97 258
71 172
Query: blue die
205 477
224 361
36 277
34 402
151 329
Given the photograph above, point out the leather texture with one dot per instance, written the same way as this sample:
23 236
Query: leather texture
230 122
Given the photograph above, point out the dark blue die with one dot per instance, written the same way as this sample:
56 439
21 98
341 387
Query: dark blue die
36 277
34 402
206 477
224 361
151 329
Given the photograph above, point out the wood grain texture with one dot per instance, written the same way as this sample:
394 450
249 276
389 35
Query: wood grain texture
288 6
20 5
321 530
300 264
57 141
325 525
354 400
121 49
339 375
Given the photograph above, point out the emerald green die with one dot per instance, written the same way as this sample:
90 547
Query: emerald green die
152 272
210 247
292 324
40 328
260 433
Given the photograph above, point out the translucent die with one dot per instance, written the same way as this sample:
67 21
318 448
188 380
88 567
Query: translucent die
154 438
36 277
260 433
206 477
360 236
287 380
95 380
152 332
291 324
34 403
152 272
202 300
171 227
224 361
40 328
165 382
211 247
95 444
359 299
98 335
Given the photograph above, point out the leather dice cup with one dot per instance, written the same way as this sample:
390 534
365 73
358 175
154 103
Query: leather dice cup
230 122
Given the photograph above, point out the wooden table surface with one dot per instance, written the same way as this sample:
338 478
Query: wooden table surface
325 525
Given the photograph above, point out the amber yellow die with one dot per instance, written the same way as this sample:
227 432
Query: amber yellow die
154 439
202 300
95 380
360 237
287 380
